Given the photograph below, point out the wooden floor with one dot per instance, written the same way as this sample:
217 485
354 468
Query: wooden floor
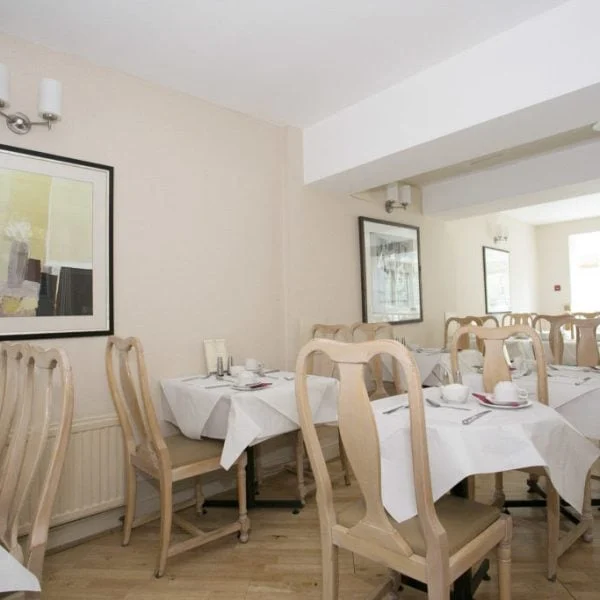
281 560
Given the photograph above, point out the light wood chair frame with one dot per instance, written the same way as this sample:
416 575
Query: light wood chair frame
34 382
342 333
465 341
495 369
371 332
586 348
146 450
374 535
525 318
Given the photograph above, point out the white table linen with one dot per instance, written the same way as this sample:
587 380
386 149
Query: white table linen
573 391
14 577
523 348
244 418
502 440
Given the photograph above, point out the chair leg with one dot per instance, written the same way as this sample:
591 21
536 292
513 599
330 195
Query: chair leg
587 516
300 467
504 568
130 499
344 460
330 568
241 493
200 499
553 524
499 497
166 519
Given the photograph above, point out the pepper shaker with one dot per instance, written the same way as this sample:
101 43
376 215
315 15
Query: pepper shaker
229 364
220 371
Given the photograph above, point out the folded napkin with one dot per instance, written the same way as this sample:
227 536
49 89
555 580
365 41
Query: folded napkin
489 399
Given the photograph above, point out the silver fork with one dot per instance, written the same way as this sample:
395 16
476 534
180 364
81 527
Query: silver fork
582 381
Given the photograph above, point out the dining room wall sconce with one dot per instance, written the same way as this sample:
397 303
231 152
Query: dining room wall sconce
500 234
49 104
398 196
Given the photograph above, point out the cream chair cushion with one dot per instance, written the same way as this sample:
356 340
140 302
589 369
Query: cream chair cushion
462 519
184 451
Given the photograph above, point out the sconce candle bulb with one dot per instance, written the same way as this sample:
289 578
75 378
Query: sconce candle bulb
49 105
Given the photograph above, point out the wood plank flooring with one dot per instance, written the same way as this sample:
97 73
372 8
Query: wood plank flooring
281 560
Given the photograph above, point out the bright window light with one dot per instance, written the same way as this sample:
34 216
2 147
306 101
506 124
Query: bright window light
584 262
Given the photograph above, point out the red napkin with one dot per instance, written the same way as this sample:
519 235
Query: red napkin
486 400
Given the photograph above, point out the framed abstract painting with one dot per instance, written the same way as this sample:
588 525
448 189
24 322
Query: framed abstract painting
55 246
496 280
390 272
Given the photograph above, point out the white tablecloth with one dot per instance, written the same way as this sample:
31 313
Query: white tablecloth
14 577
499 441
434 363
523 348
576 399
243 419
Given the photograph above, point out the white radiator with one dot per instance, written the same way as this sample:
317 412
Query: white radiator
92 479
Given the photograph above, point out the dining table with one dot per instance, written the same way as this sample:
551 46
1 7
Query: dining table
207 406
14 577
498 440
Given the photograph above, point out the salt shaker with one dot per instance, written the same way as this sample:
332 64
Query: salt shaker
220 371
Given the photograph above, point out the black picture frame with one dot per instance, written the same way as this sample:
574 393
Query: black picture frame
390 265
56 246
496 280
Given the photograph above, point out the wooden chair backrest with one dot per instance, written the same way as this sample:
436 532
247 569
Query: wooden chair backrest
40 383
495 367
465 342
586 315
319 363
587 342
130 392
518 319
358 432
368 332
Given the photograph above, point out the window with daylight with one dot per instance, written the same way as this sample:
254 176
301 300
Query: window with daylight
584 263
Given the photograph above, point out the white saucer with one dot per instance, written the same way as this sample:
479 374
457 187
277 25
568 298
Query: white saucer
525 404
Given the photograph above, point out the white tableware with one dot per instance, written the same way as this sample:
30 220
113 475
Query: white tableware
253 365
246 378
235 370
517 406
436 404
508 392
455 393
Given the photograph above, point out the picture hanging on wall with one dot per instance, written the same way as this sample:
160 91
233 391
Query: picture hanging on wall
391 272
55 246
496 280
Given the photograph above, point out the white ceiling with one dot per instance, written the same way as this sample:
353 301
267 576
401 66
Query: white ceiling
287 61
571 209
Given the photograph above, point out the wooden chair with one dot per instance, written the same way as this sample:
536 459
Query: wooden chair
164 460
495 369
36 385
518 319
327 369
556 341
425 547
465 342
587 342
368 332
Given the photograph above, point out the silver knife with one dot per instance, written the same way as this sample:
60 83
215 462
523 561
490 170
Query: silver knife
476 416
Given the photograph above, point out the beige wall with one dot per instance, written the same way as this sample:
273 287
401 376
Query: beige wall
552 243
466 239
197 246
215 233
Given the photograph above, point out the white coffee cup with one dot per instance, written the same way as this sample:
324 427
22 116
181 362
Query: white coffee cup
247 378
508 392
455 393
253 365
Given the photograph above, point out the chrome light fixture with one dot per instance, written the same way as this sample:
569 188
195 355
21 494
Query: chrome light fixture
49 104
500 234
398 196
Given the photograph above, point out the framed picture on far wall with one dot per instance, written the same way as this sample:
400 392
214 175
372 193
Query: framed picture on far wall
391 272
496 280
55 246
